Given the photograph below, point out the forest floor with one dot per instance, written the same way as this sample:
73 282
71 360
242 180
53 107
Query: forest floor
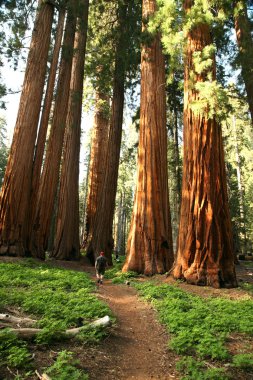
137 345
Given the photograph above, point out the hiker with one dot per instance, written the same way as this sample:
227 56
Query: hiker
100 266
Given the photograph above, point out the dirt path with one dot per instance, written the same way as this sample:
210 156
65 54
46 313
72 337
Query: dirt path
137 346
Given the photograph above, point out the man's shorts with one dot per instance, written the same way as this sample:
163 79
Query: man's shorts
101 271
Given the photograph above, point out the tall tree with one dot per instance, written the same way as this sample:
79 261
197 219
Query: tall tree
102 235
15 194
67 244
243 30
205 252
50 175
43 127
149 248
99 146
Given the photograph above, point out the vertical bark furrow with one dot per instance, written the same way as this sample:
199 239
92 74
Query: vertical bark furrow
50 175
149 248
205 238
16 189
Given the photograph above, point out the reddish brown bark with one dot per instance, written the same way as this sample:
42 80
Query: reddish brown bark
16 190
245 45
97 161
67 245
50 174
149 247
205 254
102 231
41 139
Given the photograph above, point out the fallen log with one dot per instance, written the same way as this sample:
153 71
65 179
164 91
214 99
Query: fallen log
7 318
29 332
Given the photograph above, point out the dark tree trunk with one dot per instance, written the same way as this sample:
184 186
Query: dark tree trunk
205 254
149 247
102 233
245 44
16 190
50 175
67 244
97 161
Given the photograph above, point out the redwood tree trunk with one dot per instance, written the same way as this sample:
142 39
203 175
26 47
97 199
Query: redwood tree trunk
67 245
16 190
245 45
50 175
149 248
205 254
102 231
97 161
41 139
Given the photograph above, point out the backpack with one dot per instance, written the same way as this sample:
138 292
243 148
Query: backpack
101 263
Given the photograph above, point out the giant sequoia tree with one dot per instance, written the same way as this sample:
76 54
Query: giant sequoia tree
43 127
15 194
50 175
102 234
67 245
149 248
205 252
97 161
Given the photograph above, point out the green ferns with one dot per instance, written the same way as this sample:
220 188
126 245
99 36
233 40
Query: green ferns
59 299
200 327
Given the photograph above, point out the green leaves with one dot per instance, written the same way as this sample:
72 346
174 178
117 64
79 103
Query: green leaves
59 299
200 328
64 368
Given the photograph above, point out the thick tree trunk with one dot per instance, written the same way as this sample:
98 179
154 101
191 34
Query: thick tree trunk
41 139
205 254
50 174
245 44
67 244
102 231
99 146
16 190
149 248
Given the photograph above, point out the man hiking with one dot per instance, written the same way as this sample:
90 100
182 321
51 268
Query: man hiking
100 266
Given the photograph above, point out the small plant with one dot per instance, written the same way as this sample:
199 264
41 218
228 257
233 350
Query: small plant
243 361
192 369
18 357
14 351
65 368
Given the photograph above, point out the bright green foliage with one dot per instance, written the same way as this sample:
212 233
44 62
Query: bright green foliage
192 369
14 352
244 361
64 368
57 298
199 327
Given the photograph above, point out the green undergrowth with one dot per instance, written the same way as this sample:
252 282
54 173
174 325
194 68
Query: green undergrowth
57 298
200 329
115 273
65 368
247 286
